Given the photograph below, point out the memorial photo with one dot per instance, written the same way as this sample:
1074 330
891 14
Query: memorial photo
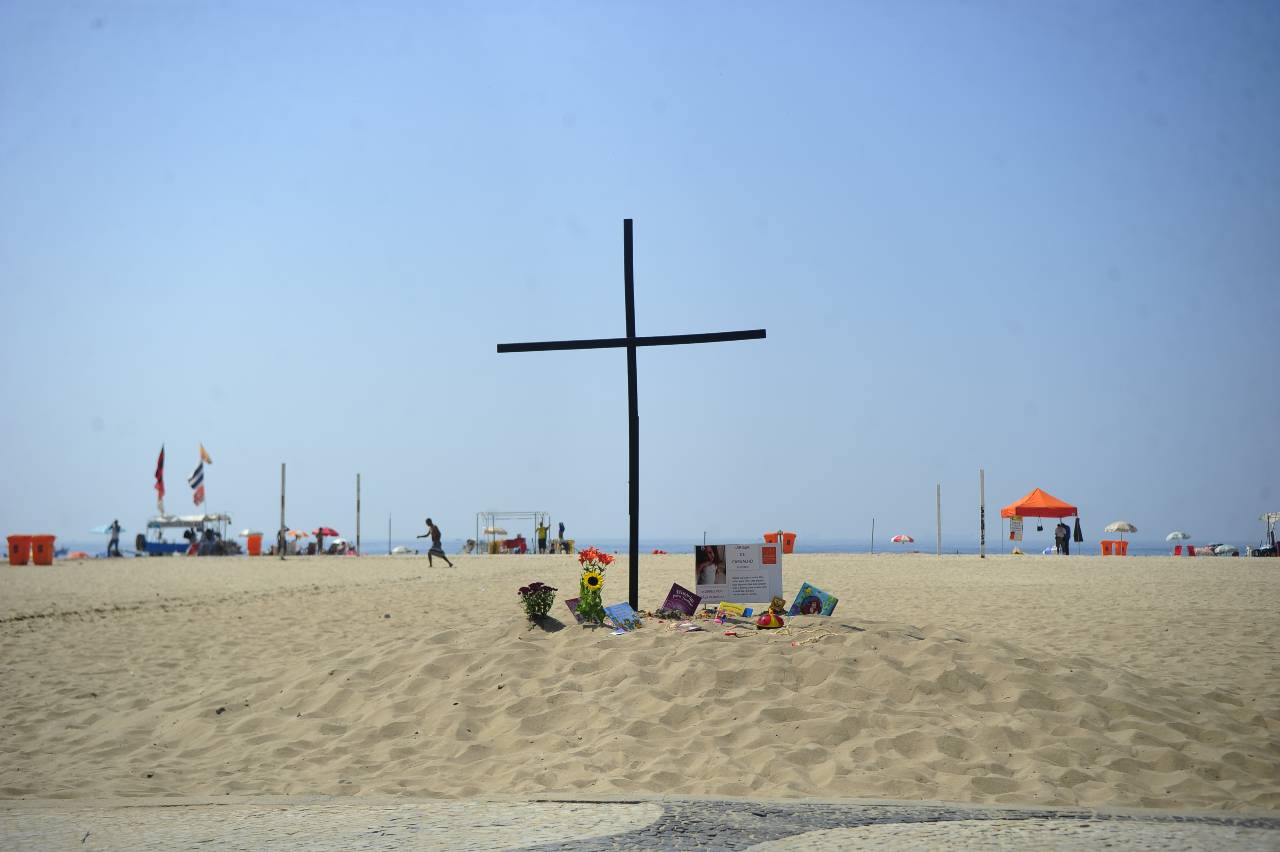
712 569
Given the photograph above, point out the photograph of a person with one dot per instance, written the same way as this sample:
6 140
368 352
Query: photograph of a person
711 565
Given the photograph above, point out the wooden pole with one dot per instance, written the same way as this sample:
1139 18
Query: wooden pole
633 417
873 535
357 514
939 518
283 528
982 513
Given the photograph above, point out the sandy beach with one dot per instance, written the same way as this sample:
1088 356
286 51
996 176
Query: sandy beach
1142 682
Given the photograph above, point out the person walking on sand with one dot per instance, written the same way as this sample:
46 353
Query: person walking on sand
113 546
436 550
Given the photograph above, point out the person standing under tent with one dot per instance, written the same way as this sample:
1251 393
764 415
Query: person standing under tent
436 548
1061 538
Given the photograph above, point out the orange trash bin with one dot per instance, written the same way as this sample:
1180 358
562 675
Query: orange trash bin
1122 548
255 544
1106 546
19 549
42 549
788 541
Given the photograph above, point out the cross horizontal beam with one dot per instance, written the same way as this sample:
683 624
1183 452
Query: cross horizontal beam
621 342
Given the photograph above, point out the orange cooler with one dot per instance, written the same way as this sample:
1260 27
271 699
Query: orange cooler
19 549
255 544
42 549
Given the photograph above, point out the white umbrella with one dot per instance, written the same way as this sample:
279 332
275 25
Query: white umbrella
494 531
1177 535
244 533
1121 527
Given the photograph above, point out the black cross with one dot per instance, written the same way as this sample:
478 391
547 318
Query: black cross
631 342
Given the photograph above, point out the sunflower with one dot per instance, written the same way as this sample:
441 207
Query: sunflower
592 580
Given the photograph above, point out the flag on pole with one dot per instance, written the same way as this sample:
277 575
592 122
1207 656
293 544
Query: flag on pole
204 455
196 481
160 480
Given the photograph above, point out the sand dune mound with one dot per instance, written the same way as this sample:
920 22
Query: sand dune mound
1022 683
834 707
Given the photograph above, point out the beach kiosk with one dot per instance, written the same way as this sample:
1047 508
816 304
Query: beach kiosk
1040 504
155 543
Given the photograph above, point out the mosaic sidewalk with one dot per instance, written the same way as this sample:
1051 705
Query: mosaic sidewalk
342 824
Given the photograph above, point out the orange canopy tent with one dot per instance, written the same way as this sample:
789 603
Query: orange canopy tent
1039 504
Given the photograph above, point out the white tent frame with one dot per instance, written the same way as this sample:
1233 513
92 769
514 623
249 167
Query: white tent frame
487 520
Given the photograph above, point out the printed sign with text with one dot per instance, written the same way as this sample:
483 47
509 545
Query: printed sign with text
738 573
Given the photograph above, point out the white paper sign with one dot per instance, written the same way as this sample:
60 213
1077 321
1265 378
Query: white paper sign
738 573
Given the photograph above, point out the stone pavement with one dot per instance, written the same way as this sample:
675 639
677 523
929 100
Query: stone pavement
364 824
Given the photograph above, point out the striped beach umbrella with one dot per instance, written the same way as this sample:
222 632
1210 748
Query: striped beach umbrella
902 538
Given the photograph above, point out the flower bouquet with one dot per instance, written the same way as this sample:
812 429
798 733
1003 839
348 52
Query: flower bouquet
593 563
537 599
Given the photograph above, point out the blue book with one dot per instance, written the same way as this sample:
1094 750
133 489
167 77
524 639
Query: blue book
623 616
811 600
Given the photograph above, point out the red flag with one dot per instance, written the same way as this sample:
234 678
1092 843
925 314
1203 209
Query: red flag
198 496
160 476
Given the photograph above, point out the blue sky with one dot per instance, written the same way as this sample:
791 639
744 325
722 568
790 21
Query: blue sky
1034 238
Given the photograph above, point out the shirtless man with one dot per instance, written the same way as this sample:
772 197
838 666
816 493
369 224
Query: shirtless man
436 550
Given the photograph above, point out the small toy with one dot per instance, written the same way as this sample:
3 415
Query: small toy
769 621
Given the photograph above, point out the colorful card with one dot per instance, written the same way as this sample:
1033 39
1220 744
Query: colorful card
681 599
623 616
811 600
572 603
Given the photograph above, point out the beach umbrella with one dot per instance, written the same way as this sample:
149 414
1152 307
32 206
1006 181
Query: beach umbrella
1121 527
298 533
329 531
494 531
1226 549
1177 535
245 533
902 538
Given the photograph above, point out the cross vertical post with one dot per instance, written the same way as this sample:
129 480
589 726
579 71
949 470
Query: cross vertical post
633 419
631 342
